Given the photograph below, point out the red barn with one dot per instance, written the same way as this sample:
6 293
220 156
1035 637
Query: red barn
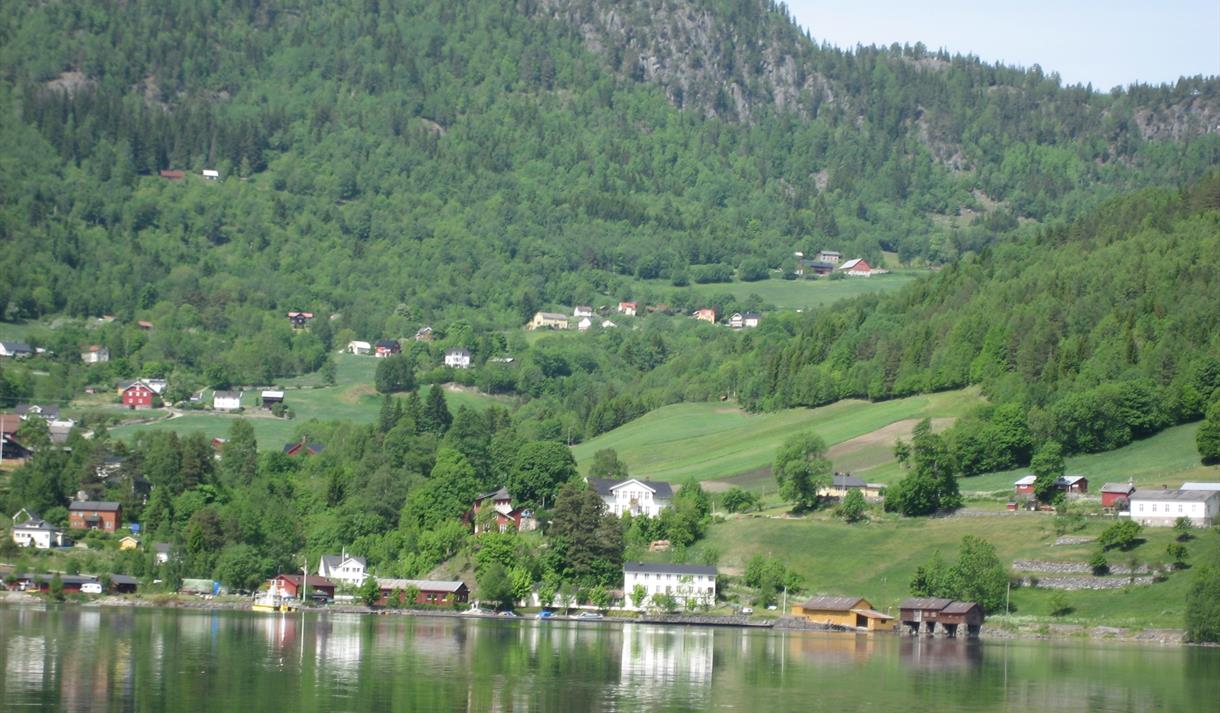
1025 485
1115 494
95 515
138 394
291 583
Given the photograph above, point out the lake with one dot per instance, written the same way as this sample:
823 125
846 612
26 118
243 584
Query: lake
123 659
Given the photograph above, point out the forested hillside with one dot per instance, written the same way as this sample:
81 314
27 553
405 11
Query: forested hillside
410 162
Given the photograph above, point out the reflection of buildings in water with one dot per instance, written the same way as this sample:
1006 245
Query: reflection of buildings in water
940 654
829 648
338 642
436 637
27 663
280 631
653 654
194 626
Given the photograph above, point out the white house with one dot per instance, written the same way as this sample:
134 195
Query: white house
582 311
211 174
36 532
162 551
684 582
95 354
358 347
343 569
831 256
226 400
744 320
584 324
607 324
15 349
637 497
457 358
1162 508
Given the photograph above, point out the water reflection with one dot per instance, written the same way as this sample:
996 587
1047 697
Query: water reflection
161 660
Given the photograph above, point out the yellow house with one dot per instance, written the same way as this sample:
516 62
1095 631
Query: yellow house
548 320
847 612
128 543
842 483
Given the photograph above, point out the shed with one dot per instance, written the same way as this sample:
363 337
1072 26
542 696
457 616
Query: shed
921 610
846 612
957 614
291 583
1116 494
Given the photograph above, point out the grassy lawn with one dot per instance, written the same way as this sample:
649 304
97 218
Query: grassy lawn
716 441
16 332
878 559
1168 458
798 294
352 398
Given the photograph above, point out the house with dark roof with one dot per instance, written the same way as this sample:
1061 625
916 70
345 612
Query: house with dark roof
47 412
95 354
302 448
343 569
457 358
1162 508
691 584
299 320
633 496
501 503
35 532
927 612
95 515
226 400
846 612
15 350
428 591
386 348
12 452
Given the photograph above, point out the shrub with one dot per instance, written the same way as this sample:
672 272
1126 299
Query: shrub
1059 604
853 507
1099 565
1122 534
1177 552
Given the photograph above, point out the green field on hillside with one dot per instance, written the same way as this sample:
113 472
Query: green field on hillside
352 398
796 294
877 560
1168 458
717 441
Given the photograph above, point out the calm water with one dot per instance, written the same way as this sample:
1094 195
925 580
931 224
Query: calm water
76 659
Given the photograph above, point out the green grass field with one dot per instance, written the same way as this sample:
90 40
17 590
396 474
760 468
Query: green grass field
798 294
352 398
717 441
1168 458
877 560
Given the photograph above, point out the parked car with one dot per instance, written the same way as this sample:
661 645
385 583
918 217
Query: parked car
91 588
544 615
588 615
509 614
747 610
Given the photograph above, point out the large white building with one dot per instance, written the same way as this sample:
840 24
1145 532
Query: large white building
343 569
635 497
1162 508
37 533
686 583
457 358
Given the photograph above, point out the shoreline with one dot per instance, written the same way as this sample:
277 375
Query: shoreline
1005 631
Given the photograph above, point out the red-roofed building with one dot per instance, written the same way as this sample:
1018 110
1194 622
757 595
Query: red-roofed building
291 584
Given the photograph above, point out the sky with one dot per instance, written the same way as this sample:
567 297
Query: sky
1109 44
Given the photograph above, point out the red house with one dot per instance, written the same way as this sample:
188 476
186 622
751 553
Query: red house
172 175
95 515
1025 485
1116 494
291 583
138 394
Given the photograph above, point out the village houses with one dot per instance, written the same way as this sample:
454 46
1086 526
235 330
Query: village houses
343 569
95 354
95 515
29 530
628 308
386 348
505 515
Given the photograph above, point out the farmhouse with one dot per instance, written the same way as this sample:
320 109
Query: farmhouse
271 397
1116 495
343 569
815 267
856 267
829 256
11 451
634 497
47 412
847 612
94 515
137 394
1162 508
548 320
582 311
226 400
686 583
95 354
386 348
705 315
434 592
457 358
842 483
1068 483
501 503
302 448
359 348
628 308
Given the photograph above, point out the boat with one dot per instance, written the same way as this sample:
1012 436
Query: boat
274 599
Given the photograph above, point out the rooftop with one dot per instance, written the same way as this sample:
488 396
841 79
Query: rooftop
959 608
607 486
663 568
1176 495
102 505
933 603
423 585
833 603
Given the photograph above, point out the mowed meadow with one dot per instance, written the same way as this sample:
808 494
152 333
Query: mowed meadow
719 442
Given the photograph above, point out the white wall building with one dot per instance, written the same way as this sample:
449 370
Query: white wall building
1162 508
38 534
358 347
684 582
342 569
95 354
637 497
457 358
226 400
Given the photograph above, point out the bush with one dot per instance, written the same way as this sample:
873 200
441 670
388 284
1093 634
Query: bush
1122 534
1059 604
853 507
739 500
1177 552
1099 565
